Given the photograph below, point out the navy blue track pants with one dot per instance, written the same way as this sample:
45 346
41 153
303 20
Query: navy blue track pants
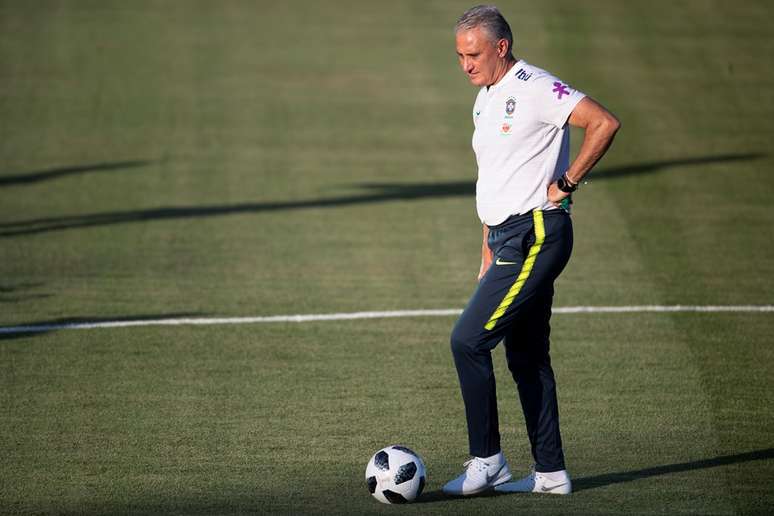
513 303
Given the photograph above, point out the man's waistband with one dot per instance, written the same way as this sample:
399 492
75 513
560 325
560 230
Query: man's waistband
521 218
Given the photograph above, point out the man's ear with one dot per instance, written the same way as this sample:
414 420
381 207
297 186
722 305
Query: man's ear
502 47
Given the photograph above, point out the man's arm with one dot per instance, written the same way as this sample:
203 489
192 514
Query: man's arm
486 254
599 126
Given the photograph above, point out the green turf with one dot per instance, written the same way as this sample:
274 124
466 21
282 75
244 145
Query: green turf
239 158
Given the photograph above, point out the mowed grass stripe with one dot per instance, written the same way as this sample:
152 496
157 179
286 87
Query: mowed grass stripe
300 318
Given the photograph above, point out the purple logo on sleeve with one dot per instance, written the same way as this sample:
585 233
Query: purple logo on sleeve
560 89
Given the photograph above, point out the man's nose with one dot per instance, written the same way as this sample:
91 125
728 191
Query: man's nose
467 65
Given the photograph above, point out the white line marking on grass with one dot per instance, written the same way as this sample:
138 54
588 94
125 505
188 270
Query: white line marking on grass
299 318
659 308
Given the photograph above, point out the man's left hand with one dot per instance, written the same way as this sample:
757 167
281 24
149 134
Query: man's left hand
556 196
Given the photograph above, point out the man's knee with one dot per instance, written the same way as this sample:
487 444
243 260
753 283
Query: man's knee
464 341
472 339
460 344
528 365
518 364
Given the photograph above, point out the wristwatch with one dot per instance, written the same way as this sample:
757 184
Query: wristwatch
564 184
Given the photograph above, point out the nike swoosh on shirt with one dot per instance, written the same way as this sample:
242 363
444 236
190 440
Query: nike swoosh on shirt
500 261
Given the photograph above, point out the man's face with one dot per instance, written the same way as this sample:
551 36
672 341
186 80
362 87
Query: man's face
479 58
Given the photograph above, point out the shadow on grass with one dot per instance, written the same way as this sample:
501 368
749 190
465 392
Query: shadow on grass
585 483
18 292
581 484
54 173
393 192
375 193
37 328
440 496
650 167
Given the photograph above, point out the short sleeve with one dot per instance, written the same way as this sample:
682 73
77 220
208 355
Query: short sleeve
555 100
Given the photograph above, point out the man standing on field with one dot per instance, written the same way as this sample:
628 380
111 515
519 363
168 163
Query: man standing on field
521 142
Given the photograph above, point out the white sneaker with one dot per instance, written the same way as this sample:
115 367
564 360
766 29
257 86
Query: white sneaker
479 475
537 482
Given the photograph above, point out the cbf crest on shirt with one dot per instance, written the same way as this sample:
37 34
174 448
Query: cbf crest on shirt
510 107
521 141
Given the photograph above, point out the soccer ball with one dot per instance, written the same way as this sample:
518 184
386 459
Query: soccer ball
395 474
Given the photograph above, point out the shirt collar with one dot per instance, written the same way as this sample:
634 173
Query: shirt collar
505 79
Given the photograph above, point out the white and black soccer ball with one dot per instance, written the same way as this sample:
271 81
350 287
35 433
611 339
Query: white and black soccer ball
395 474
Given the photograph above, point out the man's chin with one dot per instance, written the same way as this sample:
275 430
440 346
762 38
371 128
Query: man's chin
476 80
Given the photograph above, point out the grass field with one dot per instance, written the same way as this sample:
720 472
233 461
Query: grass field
193 158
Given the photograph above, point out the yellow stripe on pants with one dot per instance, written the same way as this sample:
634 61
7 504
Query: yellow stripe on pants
526 269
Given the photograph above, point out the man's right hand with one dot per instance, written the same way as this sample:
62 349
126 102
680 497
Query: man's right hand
486 262
486 254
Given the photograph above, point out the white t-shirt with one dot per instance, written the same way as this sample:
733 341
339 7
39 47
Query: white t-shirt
521 141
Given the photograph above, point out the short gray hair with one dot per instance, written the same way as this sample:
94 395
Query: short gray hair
489 18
